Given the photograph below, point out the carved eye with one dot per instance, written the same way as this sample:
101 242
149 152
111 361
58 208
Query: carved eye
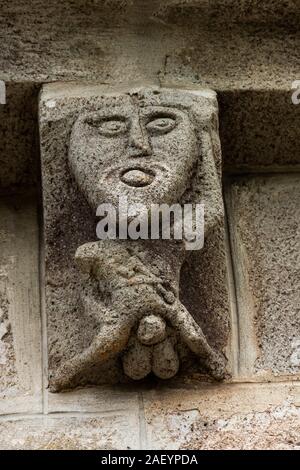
109 127
161 125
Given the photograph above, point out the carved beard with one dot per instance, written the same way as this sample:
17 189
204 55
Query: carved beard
163 185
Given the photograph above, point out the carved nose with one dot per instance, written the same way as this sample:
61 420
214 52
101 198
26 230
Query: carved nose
139 145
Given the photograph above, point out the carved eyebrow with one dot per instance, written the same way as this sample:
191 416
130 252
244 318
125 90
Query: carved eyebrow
159 113
93 120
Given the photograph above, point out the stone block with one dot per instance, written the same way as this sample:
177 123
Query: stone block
264 221
232 416
94 400
105 432
20 321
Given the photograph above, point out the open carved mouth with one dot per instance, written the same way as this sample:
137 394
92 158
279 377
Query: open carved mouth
137 177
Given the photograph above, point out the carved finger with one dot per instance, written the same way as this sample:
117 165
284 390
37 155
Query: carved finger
195 339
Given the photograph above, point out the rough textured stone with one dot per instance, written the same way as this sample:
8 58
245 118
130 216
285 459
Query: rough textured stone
20 324
258 130
84 138
151 330
274 429
237 416
264 215
94 400
229 47
110 431
230 11
19 161
109 40
249 52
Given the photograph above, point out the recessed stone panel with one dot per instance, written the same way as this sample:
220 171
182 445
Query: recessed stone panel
264 219
20 321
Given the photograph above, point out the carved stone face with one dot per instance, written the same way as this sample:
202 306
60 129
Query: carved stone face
133 148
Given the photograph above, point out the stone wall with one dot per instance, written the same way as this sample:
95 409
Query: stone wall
249 54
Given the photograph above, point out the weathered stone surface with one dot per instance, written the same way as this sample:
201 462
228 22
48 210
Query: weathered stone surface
264 215
237 416
259 130
230 11
20 322
94 399
109 431
220 45
106 40
274 429
19 162
151 330
249 146
85 152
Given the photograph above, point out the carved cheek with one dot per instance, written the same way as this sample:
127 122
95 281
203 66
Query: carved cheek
107 150
172 147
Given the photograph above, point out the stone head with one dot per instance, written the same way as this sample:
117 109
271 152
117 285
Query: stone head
142 145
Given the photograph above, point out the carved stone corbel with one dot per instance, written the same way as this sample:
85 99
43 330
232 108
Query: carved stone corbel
152 146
